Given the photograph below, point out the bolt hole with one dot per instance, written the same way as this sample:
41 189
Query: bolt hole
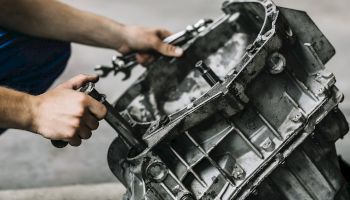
289 32
277 63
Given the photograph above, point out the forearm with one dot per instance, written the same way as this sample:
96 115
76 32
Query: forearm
15 109
55 20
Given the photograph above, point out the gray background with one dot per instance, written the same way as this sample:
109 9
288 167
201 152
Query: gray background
28 161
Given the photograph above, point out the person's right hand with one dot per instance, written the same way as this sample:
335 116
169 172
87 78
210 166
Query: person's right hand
66 114
145 40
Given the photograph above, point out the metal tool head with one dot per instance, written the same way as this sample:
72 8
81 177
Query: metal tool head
120 64
124 64
125 71
103 70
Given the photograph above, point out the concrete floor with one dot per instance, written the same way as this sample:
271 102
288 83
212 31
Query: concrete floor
28 161
107 191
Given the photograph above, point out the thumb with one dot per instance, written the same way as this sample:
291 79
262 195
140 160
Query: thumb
168 50
78 81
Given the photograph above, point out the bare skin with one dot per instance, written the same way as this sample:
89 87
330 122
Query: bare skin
63 113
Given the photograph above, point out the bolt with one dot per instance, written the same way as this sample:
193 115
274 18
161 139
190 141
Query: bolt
260 40
327 75
268 145
153 127
280 158
297 118
187 197
164 120
207 73
249 47
321 91
255 192
156 171
319 76
238 173
189 106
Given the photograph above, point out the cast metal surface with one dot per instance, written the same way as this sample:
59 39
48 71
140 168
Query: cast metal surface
249 112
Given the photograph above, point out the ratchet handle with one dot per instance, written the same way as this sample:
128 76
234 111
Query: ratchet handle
114 119
60 144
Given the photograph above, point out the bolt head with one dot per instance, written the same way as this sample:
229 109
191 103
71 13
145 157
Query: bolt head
297 118
268 145
238 173
321 91
164 120
156 171
187 197
190 106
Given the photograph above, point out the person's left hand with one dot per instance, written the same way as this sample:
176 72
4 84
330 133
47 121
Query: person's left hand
144 40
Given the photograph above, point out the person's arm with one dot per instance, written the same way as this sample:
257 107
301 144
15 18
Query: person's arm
59 114
15 109
55 20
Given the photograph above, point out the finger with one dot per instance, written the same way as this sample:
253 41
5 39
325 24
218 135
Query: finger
90 121
84 132
144 58
75 141
162 33
168 50
124 49
78 81
96 108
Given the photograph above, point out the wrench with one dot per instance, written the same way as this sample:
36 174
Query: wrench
125 64
114 119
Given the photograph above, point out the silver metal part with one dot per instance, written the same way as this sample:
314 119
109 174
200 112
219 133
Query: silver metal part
263 126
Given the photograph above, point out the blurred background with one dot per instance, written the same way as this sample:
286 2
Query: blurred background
29 161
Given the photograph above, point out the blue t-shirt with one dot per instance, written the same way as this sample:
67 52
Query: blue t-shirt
30 64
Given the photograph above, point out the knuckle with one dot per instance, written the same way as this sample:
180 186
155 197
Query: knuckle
104 111
169 48
81 76
75 123
80 111
155 42
70 135
102 114
157 32
81 98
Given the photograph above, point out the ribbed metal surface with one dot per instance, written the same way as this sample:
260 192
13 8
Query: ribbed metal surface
310 173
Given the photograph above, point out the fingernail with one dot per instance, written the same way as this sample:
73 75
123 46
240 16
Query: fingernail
179 51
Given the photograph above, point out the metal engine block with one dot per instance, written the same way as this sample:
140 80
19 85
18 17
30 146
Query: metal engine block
249 112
